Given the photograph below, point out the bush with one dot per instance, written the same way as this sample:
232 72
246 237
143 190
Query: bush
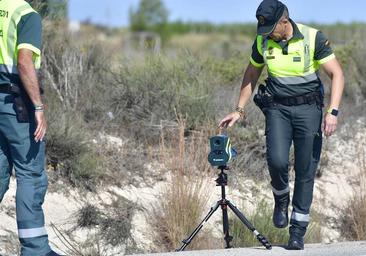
69 154
261 218
71 75
116 224
88 216
151 92
111 233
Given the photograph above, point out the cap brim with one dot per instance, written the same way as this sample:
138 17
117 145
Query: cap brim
265 30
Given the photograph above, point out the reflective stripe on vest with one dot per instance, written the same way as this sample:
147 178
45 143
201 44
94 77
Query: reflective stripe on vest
295 79
298 66
307 57
13 11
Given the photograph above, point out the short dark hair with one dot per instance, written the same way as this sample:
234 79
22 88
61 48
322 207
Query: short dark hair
285 14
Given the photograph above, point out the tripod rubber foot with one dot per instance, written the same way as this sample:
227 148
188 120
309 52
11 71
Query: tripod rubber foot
264 241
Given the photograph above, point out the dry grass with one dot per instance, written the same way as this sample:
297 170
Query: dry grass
109 230
182 204
353 217
9 243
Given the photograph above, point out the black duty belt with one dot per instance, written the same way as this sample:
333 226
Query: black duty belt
309 98
10 88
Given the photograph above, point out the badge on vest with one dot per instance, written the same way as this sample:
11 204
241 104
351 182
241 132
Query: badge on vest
296 59
270 54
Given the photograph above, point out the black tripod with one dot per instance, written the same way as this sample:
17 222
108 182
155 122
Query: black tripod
224 203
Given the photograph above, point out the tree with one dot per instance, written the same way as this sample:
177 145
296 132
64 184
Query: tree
57 9
54 9
150 15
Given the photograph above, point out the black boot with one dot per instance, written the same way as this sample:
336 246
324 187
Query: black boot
280 213
295 242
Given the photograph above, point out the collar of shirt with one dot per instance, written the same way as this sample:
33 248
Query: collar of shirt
296 36
296 32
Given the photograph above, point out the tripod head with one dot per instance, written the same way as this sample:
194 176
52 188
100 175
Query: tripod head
222 179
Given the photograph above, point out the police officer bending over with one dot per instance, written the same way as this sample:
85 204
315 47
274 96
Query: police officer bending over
22 122
292 103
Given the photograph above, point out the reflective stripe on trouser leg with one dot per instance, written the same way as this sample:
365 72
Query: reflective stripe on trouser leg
28 158
299 223
278 142
30 217
307 145
32 232
5 166
300 217
280 192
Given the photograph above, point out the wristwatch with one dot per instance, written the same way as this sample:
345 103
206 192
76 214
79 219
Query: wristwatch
333 111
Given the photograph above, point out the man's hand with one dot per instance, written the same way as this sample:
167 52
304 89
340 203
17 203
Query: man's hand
229 120
41 126
330 124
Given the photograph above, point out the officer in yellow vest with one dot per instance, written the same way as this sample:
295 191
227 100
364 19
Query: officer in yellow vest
22 122
292 102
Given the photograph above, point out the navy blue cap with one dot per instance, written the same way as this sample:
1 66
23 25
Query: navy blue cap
268 14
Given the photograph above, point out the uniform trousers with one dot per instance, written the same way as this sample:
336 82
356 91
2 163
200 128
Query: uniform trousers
300 125
18 150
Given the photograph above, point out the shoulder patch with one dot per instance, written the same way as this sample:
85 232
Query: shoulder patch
327 43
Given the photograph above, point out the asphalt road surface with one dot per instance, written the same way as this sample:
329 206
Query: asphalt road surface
336 249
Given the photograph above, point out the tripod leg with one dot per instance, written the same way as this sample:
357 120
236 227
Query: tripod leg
246 222
189 239
225 221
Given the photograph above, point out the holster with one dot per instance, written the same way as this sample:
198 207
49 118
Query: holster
21 101
261 99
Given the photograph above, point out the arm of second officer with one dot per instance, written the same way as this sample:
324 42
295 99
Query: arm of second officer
250 79
334 71
325 57
29 80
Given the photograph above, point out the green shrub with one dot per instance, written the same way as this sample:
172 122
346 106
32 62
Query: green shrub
157 89
230 70
71 74
261 218
69 153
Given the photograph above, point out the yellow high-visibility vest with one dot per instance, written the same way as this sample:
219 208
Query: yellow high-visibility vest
298 66
11 12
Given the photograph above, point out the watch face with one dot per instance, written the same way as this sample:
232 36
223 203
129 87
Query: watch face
334 112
